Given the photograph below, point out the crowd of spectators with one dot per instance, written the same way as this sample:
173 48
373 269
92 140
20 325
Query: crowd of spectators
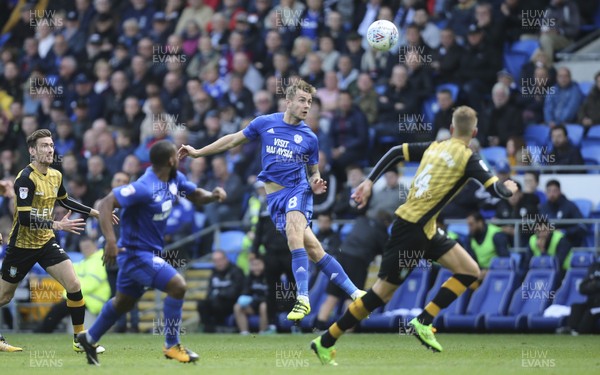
111 78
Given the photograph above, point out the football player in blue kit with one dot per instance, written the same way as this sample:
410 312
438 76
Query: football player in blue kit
288 147
145 206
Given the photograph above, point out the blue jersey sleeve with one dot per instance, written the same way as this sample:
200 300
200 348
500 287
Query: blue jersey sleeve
314 153
185 185
132 194
252 131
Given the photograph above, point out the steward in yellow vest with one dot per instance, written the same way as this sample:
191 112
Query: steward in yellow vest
547 241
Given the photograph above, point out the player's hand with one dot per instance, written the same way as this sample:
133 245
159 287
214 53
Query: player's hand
318 186
75 226
219 194
6 188
511 185
187 150
110 253
362 193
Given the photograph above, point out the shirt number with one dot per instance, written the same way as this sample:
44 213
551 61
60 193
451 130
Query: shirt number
422 181
293 202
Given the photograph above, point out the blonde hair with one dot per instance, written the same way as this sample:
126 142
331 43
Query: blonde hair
301 85
464 120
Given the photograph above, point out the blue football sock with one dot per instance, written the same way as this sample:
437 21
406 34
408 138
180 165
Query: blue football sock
108 316
172 314
300 269
336 274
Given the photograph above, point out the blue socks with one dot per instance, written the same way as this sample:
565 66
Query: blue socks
108 316
172 319
336 274
300 269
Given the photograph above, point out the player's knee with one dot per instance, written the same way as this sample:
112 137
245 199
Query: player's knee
237 308
262 308
178 289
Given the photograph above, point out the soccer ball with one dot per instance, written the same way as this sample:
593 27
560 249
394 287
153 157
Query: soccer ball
382 35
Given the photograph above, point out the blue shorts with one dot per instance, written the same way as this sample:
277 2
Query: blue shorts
139 269
298 198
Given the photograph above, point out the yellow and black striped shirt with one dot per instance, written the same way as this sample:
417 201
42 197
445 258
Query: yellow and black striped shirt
37 193
445 167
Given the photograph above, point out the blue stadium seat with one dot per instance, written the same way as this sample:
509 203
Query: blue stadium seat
453 88
586 87
430 108
231 243
75 256
457 307
491 298
531 299
526 47
493 154
592 138
345 231
566 295
513 62
575 133
591 155
410 295
584 205
537 135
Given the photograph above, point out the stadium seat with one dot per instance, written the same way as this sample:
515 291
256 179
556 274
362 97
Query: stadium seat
231 243
592 138
410 295
537 135
591 155
453 88
586 87
345 231
566 295
526 47
584 205
493 154
457 307
75 256
430 108
575 132
530 299
491 298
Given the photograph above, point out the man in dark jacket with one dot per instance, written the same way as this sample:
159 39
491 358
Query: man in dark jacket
349 135
478 67
559 207
446 59
563 152
272 247
522 206
584 316
253 299
224 288
502 119
365 241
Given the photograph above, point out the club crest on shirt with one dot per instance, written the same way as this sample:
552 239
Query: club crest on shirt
297 138
23 192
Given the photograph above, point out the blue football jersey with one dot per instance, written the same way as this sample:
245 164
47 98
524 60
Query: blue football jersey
286 149
147 204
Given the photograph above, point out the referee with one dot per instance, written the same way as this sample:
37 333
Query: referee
31 240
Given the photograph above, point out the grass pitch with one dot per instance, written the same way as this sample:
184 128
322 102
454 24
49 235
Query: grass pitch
357 354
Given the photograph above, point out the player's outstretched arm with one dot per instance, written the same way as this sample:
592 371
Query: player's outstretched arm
201 196
220 145
105 210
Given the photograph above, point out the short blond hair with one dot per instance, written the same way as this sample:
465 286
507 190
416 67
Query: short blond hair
464 120
301 85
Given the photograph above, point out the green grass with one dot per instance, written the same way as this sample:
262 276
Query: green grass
371 354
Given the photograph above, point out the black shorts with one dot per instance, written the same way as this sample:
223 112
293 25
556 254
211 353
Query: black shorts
355 269
405 248
19 261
